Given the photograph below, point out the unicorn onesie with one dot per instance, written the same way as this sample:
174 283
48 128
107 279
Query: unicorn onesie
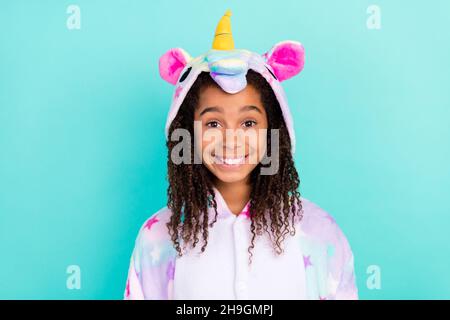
317 262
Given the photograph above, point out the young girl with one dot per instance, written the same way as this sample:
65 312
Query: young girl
235 226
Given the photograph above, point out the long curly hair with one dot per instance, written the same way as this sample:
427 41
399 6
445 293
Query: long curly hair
274 199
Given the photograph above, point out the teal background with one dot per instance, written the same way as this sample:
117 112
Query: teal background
82 150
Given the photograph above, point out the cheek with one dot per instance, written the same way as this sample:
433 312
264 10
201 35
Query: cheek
207 141
262 145
262 139
257 146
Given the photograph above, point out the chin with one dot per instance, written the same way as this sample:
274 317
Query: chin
230 178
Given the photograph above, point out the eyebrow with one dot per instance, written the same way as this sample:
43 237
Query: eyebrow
219 109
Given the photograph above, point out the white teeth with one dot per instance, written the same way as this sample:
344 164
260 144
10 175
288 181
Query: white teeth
230 161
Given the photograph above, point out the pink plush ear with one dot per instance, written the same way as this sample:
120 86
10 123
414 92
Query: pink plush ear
286 59
172 63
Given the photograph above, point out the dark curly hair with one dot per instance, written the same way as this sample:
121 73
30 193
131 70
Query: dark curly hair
273 198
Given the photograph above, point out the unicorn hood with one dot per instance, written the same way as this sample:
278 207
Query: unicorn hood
228 67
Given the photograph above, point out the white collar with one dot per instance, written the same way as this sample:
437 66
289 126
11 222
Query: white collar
223 211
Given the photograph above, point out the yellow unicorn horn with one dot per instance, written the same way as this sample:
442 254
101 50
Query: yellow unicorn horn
223 38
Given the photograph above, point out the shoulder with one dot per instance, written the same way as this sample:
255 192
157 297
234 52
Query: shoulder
327 254
154 230
319 227
153 259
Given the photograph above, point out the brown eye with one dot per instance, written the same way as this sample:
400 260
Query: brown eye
212 124
249 123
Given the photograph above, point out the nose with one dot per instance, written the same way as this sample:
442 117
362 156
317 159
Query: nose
233 146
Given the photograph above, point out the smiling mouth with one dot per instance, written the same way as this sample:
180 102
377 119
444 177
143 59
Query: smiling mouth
227 161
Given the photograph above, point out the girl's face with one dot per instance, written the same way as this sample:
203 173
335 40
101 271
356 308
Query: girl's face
233 133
